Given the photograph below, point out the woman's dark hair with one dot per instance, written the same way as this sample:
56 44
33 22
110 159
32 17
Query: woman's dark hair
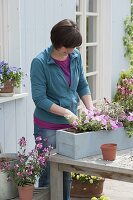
66 33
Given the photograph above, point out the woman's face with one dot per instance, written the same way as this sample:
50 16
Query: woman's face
65 51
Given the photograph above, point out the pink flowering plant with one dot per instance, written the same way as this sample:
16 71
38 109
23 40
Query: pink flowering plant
28 167
124 96
124 92
106 116
95 120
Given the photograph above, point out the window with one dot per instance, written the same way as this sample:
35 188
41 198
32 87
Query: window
87 20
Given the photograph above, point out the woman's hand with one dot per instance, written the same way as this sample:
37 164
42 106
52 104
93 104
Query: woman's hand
71 117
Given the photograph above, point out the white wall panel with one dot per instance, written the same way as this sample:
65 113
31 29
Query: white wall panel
20 118
2 136
1 31
26 30
10 127
120 10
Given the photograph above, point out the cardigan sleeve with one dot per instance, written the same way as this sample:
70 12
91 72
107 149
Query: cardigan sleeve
38 85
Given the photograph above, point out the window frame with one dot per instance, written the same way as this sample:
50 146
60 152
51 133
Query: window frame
103 58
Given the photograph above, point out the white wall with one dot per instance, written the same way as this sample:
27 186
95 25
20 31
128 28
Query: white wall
120 10
26 27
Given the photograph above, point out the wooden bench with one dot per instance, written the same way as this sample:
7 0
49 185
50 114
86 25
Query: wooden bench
120 169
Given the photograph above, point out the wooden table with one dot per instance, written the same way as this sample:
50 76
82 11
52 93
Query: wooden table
120 169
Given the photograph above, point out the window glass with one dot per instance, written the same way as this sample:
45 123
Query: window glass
86 18
91 5
90 59
92 84
90 29
78 5
78 20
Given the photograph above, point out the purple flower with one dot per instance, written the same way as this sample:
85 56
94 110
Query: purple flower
22 142
75 123
113 124
130 117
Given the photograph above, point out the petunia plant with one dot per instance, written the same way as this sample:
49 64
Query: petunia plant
28 166
95 120
106 116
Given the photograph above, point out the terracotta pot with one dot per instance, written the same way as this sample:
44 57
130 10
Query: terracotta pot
87 190
8 87
25 192
109 151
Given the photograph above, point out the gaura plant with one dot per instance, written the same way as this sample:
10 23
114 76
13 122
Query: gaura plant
28 166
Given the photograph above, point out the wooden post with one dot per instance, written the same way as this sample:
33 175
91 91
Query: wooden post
56 182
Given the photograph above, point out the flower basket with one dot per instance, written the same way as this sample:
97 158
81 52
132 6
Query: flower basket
8 87
87 190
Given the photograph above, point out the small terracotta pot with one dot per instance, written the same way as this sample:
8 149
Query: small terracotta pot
8 87
25 192
109 151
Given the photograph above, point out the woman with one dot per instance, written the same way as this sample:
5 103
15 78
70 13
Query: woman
57 82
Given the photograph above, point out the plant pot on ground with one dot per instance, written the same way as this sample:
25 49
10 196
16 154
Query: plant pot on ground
29 165
86 186
26 192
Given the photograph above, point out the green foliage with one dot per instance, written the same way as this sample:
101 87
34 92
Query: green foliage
128 37
112 109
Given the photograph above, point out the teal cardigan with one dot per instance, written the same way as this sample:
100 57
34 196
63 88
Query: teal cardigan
49 85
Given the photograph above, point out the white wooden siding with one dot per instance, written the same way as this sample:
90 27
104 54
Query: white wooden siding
25 26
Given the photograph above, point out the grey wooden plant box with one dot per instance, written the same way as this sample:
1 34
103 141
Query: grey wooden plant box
85 144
